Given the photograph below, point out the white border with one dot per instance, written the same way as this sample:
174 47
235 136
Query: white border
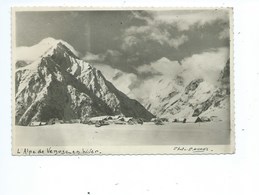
143 175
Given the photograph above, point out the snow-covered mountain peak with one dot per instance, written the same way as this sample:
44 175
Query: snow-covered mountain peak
51 43
46 46
164 59
48 41
56 83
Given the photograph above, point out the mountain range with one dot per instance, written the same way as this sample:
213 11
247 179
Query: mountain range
177 98
52 81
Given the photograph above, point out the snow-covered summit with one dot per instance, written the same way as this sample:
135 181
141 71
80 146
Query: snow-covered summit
32 53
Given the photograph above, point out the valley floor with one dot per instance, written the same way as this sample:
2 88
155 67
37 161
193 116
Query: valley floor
211 133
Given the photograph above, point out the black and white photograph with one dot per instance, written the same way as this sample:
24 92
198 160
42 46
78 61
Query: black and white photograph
122 81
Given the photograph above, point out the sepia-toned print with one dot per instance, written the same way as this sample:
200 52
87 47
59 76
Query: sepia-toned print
112 81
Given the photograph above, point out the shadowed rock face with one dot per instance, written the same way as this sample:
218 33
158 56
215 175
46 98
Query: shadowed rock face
60 85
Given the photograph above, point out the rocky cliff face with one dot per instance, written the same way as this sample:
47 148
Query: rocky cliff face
60 85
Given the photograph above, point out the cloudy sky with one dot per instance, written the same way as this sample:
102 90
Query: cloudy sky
133 46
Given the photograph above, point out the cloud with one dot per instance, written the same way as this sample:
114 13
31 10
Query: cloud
224 34
109 57
114 53
162 66
129 41
173 34
178 41
152 32
93 57
121 80
146 69
184 20
146 88
147 36
206 65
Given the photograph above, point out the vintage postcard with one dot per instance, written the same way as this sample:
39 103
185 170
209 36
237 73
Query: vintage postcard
91 81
